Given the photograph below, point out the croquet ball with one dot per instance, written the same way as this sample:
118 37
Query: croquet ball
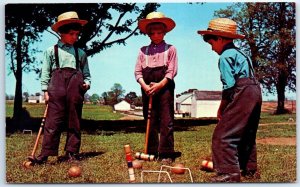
137 164
74 171
27 164
207 165
178 169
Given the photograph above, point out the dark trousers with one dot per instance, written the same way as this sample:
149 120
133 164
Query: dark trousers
162 113
233 141
161 121
64 111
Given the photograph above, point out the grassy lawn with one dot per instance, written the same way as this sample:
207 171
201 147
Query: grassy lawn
103 158
89 111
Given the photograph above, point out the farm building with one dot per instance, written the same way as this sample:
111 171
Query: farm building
183 104
122 106
205 103
36 99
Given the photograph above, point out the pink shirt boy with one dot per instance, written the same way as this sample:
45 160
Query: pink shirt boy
157 57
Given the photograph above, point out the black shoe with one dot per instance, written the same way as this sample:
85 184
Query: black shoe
41 159
168 158
250 174
70 156
167 161
226 177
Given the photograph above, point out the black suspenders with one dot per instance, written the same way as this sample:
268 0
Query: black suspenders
251 70
57 59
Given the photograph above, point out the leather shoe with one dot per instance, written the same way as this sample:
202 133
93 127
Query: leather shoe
226 177
71 156
41 159
250 174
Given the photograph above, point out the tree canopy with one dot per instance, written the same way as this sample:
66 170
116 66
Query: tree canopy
108 24
270 39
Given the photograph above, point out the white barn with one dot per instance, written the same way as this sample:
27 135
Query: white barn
183 104
205 103
122 106
36 99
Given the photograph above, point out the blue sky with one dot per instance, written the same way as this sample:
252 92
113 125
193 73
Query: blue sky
197 63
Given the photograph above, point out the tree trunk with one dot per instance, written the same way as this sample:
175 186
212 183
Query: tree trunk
281 94
18 92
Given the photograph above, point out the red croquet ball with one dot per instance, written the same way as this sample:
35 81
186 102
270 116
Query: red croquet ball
74 171
178 169
137 164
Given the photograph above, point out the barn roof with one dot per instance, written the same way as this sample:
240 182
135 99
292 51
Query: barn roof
183 97
207 95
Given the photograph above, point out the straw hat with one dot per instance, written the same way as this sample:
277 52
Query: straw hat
66 18
222 27
155 17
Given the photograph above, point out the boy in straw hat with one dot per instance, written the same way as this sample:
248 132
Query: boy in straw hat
155 70
233 141
65 78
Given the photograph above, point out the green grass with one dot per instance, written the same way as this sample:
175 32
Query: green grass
271 118
107 164
94 112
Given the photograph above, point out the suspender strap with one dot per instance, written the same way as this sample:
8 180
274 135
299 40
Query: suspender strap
56 56
251 70
147 51
77 58
165 57
78 65
166 54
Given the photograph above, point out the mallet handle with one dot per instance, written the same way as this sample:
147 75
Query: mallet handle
40 132
148 124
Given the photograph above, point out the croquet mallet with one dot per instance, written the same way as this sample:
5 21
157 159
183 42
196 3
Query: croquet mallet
148 124
32 156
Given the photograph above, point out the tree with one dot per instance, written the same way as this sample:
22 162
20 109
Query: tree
104 95
270 38
22 29
108 23
138 101
95 98
113 96
24 24
130 97
86 97
25 95
116 94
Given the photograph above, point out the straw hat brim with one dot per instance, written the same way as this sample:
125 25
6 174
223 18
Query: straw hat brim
142 24
221 33
55 26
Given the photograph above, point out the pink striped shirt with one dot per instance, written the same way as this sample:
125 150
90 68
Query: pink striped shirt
157 56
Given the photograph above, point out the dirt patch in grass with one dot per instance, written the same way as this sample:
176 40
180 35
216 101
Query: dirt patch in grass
277 141
270 106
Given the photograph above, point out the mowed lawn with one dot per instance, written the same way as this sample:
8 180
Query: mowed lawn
103 157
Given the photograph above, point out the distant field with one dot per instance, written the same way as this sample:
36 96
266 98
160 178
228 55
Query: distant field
90 111
97 112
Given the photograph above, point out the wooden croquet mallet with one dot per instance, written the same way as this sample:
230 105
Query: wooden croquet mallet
39 133
148 124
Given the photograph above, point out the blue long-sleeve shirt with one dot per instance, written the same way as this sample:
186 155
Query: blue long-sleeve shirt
66 56
233 65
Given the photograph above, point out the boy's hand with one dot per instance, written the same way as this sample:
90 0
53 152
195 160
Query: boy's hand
146 88
86 86
46 97
156 87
